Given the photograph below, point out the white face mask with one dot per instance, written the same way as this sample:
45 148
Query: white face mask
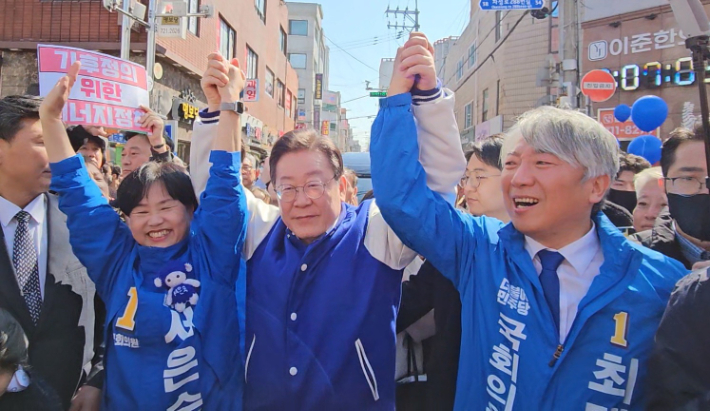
19 382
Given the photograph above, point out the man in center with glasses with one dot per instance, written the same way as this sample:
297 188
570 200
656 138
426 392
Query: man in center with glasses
684 234
324 277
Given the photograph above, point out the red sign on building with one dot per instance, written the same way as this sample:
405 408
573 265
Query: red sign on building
598 85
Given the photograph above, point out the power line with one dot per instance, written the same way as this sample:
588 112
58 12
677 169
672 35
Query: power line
495 27
490 55
358 98
355 58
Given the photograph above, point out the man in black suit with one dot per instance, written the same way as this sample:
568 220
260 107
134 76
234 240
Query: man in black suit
42 284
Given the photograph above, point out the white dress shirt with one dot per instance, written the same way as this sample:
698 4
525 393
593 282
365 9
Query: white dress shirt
583 258
37 209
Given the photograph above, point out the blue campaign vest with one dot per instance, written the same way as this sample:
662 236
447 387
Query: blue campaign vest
321 321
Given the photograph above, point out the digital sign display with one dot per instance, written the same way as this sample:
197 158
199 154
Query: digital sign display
655 75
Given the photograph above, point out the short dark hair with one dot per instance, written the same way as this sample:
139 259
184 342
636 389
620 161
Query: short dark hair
677 137
115 170
13 343
487 150
633 163
370 194
306 140
127 135
14 109
172 176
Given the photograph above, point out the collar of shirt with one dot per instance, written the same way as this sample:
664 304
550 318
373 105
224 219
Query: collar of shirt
578 254
37 208
690 251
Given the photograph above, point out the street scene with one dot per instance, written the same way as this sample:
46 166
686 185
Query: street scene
407 205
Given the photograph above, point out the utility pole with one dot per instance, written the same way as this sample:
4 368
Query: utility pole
569 50
123 7
408 22
126 24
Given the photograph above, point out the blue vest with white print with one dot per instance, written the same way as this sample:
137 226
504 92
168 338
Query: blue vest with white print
321 321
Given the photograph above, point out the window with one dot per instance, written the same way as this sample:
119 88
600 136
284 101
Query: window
472 55
468 121
499 25
261 9
288 105
484 114
459 69
301 96
280 93
269 83
227 39
192 7
298 60
282 41
333 126
298 27
252 63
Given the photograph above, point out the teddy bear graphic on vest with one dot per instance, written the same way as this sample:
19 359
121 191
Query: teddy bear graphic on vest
182 291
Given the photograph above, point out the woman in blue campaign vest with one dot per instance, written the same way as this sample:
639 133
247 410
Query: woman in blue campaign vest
167 275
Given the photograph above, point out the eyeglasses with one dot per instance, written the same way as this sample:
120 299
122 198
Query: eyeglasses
686 186
313 190
475 180
247 168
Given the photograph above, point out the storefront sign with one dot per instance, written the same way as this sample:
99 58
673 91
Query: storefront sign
108 90
301 114
251 91
319 87
325 129
316 116
623 131
637 43
655 74
184 111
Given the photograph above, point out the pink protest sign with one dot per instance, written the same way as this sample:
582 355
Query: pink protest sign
108 90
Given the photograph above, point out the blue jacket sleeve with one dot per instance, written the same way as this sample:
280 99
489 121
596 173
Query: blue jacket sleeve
422 219
221 219
99 239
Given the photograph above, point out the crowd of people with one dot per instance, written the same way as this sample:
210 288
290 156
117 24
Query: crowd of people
542 270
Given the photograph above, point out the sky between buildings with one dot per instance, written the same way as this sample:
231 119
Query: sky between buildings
357 30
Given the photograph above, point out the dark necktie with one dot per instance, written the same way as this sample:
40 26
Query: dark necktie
550 261
24 258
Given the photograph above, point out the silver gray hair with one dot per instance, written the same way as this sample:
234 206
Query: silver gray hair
570 135
251 158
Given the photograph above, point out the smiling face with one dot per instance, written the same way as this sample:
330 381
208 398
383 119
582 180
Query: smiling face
309 218
159 220
547 198
487 198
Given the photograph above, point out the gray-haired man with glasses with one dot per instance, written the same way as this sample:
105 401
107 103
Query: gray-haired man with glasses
685 233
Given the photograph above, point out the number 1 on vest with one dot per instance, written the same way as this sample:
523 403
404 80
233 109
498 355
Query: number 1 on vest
126 321
620 330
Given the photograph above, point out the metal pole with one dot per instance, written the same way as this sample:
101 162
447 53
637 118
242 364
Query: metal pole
416 15
699 47
126 23
150 49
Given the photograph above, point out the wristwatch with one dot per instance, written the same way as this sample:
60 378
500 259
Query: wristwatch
237 107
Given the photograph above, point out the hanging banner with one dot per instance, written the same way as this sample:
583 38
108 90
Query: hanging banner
319 87
108 91
325 129
251 91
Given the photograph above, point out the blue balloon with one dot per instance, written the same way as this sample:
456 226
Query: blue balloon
648 147
622 112
649 112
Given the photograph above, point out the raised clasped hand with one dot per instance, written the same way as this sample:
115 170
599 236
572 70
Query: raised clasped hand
414 66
